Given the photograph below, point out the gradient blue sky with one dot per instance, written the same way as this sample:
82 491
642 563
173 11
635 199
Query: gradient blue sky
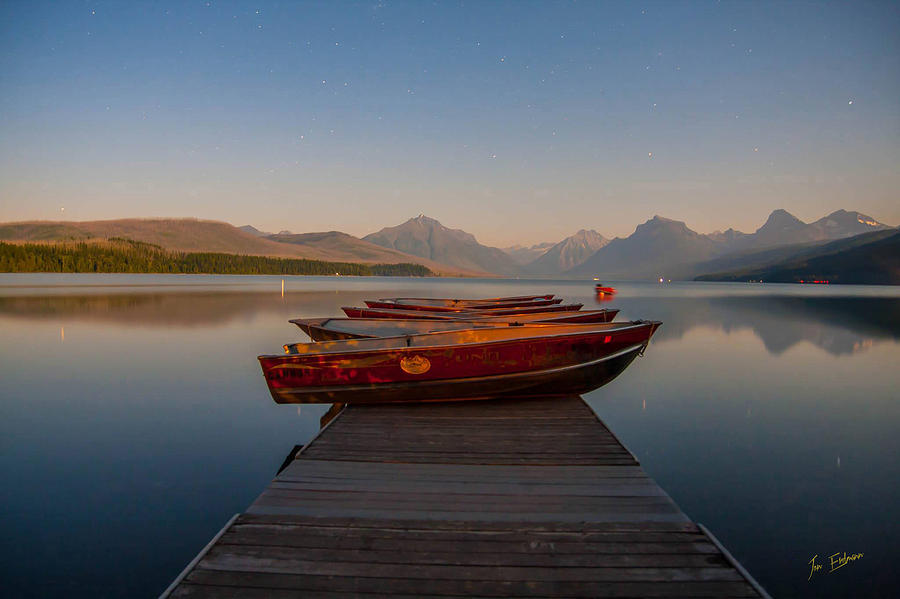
519 122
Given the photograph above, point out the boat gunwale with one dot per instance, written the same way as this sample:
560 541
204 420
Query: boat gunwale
478 324
493 311
540 301
488 308
512 298
476 315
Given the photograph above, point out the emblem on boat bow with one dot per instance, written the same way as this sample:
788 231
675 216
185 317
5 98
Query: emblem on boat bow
415 364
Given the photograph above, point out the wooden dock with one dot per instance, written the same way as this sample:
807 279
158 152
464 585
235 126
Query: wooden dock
491 499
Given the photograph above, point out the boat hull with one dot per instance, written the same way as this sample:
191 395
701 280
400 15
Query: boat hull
427 311
548 364
575 379
466 304
334 329
451 306
586 316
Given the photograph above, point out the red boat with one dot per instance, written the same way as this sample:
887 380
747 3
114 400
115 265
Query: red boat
330 329
605 290
467 311
542 315
451 305
456 365
456 301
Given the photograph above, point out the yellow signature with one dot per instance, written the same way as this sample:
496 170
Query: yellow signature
835 560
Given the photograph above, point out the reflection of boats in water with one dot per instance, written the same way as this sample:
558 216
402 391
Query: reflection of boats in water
479 363
604 292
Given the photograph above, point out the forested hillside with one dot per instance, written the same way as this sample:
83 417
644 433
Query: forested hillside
126 256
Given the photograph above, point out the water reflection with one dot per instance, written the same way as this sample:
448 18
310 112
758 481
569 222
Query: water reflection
838 325
768 413
201 309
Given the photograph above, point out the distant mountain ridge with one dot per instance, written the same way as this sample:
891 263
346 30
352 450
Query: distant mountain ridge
254 231
568 253
869 258
659 247
194 235
186 235
344 247
427 238
663 247
523 254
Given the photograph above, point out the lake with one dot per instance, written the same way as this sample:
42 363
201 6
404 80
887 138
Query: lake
135 422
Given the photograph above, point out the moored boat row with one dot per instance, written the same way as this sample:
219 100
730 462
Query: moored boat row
437 349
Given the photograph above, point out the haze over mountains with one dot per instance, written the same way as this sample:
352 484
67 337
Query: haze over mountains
659 247
525 254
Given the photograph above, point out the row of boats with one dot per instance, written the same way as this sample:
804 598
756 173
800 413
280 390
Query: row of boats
441 349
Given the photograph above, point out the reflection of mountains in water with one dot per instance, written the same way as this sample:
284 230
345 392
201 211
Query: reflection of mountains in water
169 309
839 325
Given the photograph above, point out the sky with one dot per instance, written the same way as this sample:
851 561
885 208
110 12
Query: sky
520 122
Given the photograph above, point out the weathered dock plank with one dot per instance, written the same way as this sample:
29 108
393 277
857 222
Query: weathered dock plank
492 499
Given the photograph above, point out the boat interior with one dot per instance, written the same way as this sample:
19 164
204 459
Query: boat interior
380 327
529 315
491 334
476 304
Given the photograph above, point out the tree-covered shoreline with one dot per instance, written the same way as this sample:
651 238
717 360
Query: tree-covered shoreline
117 255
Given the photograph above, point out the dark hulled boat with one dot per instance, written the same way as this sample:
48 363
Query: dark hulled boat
555 315
517 299
330 329
451 305
465 312
456 365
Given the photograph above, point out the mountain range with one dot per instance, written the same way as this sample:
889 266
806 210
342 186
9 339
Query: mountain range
667 248
525 254
659 247
567 254
427 238
869 258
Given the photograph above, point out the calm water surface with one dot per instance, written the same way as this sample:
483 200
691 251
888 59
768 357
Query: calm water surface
134 420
